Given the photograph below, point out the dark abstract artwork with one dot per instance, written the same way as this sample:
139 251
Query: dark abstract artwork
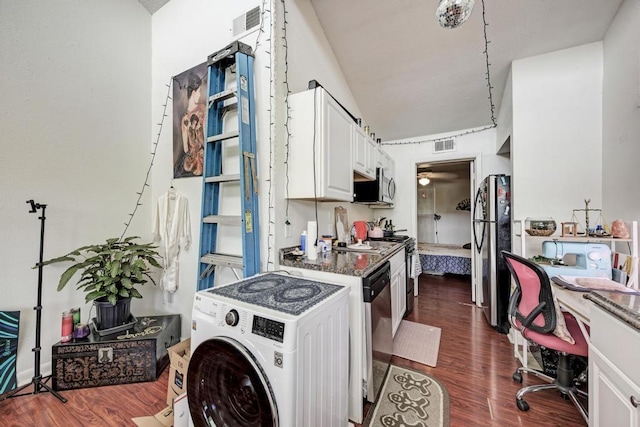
9 323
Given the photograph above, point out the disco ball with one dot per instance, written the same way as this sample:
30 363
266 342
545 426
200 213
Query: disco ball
452 13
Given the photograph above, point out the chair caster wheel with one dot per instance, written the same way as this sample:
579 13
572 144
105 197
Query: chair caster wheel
522 405
517 376
565 396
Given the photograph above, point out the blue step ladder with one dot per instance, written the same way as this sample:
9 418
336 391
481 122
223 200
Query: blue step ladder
235 59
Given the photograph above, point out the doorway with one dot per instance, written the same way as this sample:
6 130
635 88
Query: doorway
443 196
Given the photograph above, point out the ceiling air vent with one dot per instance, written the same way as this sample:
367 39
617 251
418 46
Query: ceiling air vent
444 145
246 22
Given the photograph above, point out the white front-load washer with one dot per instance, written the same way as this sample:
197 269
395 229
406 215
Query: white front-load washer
270 350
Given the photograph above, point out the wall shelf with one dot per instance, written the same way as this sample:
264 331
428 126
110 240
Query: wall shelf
520 346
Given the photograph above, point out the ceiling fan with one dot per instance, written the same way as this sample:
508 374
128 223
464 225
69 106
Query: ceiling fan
425 177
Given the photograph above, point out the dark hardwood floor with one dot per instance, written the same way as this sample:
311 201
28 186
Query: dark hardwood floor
475 364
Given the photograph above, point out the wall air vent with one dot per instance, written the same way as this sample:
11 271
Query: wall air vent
246 22
442 145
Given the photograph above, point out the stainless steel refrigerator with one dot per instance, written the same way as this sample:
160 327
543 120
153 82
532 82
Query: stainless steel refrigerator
492 234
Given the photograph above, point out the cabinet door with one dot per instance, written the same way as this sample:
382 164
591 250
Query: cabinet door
611 394
402 292
395 307
337 168
371 156
364 154
319 148
359 150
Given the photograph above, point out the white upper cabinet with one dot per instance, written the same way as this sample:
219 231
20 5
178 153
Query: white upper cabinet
320 148
365 150
386 162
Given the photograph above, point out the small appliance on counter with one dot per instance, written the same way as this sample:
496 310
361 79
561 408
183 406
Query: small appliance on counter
360 230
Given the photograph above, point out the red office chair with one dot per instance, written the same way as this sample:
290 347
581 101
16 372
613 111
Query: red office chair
533 313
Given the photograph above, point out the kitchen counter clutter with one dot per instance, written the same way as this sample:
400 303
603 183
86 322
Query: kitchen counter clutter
349 263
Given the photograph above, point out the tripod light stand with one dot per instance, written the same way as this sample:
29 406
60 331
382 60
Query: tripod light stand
38 381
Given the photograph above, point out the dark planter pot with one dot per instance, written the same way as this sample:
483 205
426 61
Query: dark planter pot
109 315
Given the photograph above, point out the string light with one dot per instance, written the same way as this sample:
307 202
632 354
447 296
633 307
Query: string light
490 97
270 201
145 184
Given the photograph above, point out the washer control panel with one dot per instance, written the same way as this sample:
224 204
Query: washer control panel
268 328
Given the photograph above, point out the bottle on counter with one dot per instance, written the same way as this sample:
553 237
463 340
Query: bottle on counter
303 241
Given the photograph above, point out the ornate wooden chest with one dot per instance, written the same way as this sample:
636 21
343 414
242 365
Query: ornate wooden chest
135 355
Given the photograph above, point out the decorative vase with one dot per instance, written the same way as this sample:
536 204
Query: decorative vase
109 315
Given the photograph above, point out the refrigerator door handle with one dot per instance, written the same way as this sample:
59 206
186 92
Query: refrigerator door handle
479 242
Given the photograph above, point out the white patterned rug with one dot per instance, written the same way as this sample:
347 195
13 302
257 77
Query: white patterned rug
417 342
409 398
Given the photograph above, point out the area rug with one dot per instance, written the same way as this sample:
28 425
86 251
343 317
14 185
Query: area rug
417 342
409 398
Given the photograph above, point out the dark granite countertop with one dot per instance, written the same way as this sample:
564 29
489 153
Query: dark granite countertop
623 306
338 262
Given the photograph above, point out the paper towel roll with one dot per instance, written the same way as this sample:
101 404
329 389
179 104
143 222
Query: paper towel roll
312 240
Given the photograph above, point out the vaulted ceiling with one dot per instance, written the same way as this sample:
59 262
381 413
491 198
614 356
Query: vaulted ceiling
411 77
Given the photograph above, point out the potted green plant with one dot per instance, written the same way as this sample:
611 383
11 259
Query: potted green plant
109 274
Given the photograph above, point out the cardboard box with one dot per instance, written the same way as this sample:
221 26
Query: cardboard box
181 414
163 418
131 356
179 355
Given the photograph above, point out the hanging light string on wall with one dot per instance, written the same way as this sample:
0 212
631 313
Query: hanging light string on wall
145 184
490 88
488 74
287 92
264 10
270 178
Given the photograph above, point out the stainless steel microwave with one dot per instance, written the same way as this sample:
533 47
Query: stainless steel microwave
379 192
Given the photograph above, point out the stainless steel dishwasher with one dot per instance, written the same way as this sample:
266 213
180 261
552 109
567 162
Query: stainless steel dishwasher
379 336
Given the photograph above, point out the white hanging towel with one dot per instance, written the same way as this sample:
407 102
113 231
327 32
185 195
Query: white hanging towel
171 231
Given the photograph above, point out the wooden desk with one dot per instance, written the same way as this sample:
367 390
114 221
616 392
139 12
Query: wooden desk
573 302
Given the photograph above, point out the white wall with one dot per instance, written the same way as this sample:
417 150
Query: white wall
75 113
504 128
621 115
480 145
556 144
454 226
310 58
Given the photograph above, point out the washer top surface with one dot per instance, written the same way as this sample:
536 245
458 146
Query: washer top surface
288 294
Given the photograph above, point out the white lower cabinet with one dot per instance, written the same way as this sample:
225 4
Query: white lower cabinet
398 290
614 372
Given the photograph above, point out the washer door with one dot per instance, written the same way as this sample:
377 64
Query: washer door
227 387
